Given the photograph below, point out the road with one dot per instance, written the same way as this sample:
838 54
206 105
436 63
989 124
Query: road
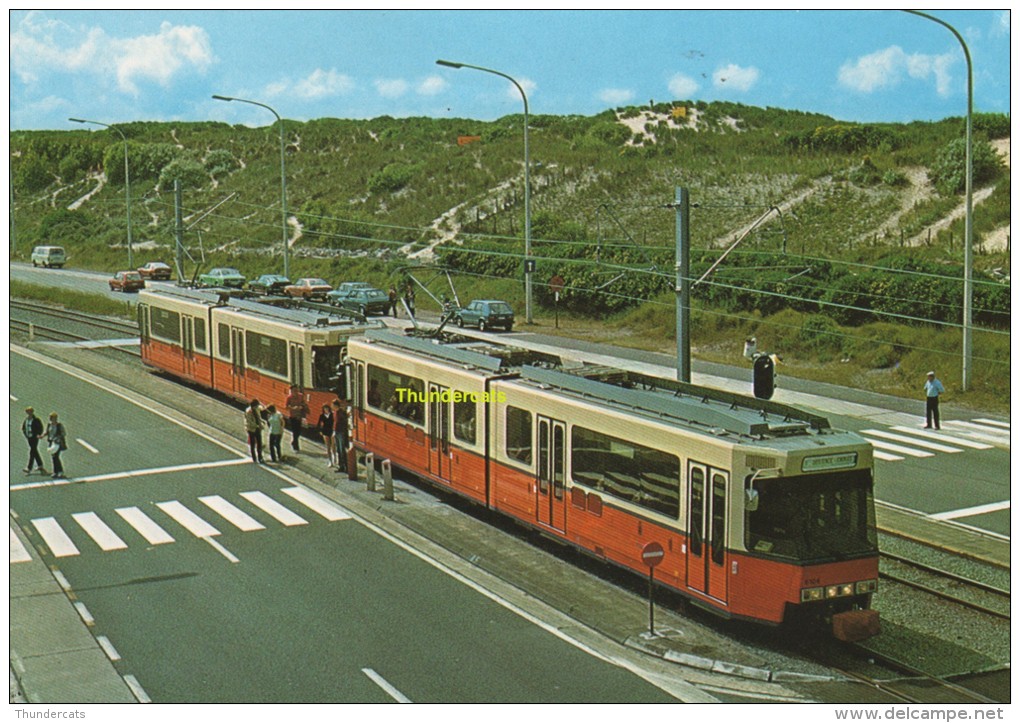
960 474
217 580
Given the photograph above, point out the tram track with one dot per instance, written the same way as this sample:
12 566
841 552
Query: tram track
937 577
68 325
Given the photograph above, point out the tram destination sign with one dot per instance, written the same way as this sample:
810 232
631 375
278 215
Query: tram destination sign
822 462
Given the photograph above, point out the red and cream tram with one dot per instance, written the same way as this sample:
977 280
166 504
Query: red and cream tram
245 349
763 511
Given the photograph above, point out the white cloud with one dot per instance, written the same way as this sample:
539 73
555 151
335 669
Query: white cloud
616 96
41 45
391 88
323 83
886 69
735 78
432 85
527 84
683 86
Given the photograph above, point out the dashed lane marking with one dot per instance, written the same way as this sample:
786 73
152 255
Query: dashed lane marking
385 685
87 446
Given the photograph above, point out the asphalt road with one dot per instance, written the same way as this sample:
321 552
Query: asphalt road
217 580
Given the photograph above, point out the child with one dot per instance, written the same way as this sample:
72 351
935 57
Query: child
275 422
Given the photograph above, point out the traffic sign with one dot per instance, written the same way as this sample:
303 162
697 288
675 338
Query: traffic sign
556 283
652 554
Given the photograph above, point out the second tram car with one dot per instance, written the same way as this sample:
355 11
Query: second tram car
246 349
763 511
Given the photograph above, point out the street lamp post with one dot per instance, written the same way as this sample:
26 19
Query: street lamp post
283 177
968 242
527 181
127 181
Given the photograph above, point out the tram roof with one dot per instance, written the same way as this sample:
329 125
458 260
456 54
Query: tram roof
713 411
305 317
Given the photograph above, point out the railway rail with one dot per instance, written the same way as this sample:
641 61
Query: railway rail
56 329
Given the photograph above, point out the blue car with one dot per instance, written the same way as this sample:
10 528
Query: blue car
486 314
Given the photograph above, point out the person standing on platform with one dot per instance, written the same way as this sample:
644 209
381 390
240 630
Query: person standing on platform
393 302
253 424
409 299
932 390
275 423
297 410
56 440
326 431
340 434
32 428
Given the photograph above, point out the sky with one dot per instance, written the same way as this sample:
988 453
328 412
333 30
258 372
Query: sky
117 66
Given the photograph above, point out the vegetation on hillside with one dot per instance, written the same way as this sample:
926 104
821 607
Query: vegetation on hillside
856 224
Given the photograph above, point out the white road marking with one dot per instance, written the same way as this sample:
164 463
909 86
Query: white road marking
55 537
317 503
99 531
900 449
107 646
911 440
978 432
385 685
188 519
137 689
994 423
61 580
87 446
143 524
885 456
84 614
273 508
129 473
18 551
221 549
971 511
238 518
944 437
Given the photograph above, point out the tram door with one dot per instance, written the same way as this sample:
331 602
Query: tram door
297 366
440 454
551 504
188 344
706 523
237 367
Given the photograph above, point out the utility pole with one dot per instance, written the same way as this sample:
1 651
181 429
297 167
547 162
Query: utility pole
682 206
179 230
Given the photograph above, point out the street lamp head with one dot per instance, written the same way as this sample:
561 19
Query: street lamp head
77 120
449 64
222 97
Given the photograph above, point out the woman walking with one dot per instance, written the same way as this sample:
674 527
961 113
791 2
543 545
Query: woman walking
326 432
56 441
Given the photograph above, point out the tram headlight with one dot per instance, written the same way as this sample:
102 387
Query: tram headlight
865 586
810 594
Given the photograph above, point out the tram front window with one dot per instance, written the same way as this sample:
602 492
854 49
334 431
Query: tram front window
814 517
326 370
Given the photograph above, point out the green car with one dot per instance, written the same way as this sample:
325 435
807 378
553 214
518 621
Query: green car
223 276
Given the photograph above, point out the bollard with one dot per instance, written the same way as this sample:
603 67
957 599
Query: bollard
387 476
370 471
352 463
31 332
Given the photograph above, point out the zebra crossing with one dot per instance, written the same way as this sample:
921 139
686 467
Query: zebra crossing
171 520
900 442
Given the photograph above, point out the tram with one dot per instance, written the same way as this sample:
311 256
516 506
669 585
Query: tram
763 512
246 349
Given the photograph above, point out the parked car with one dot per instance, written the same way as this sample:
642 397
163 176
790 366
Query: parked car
349 286
311 289
269 284
156 271
49 256
365 301
485 314
223 276
127 281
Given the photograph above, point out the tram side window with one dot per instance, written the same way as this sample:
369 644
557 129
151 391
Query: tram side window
396 394
223 332
266 353
644 476
166 325
518 434
464 420
200 334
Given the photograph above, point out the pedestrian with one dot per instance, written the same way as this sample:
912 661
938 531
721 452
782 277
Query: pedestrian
32 428
275 423
326 431
297 410
340 433
409 299
56 441
393 302
932 389
254 424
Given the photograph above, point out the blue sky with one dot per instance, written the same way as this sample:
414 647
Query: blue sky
117 66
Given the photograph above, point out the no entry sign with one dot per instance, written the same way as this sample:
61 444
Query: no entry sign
652 554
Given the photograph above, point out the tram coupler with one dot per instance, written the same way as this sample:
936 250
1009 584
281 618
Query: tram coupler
387 476
370 471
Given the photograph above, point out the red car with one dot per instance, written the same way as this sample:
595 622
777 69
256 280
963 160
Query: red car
127 281
156 270
311 289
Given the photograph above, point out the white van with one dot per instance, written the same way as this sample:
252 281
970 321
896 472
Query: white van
49 256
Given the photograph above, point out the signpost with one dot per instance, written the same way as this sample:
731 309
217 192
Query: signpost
556 283
652 555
